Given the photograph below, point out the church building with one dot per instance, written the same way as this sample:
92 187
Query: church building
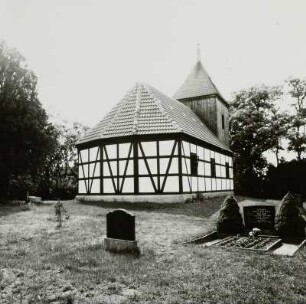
154 148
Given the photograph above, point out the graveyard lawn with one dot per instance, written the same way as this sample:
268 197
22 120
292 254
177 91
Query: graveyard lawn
43 264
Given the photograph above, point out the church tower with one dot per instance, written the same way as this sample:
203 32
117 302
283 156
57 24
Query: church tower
200 94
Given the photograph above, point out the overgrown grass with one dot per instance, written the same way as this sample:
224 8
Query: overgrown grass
43 264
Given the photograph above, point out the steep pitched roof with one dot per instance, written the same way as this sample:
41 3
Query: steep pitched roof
145 110
198 83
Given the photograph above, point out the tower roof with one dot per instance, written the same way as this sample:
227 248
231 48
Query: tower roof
145 110
198 83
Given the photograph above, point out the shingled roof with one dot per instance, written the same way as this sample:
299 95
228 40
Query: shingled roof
198 83
145 110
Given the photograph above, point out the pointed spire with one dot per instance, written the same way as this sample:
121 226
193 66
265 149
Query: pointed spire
198 53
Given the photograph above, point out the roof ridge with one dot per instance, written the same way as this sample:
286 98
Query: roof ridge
119 107
161 108
137 109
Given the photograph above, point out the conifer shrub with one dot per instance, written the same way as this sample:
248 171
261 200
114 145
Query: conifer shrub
289 223
229 219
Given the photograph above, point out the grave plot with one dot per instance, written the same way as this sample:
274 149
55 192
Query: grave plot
259 243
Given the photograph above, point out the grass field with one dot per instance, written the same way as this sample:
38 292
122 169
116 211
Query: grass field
43 264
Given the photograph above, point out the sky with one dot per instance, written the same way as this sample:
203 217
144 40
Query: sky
88 53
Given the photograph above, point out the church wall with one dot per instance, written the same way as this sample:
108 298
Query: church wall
214 170
152 167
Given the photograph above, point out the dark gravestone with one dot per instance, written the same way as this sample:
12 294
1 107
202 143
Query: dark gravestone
262 217
120 225
120 234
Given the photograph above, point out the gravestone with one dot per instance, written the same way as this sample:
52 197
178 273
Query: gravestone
120 225
120 232
262 217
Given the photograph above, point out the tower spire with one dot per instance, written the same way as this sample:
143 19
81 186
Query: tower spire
198 53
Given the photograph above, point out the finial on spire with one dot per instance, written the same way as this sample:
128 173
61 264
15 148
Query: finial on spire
198 53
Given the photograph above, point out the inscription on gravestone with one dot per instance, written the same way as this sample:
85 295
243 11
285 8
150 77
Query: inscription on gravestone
120 225
261 217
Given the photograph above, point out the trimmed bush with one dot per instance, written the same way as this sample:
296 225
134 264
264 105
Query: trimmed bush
289 223
229 219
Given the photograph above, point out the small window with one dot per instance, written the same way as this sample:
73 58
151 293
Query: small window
227 170
213 167
194 164
223 123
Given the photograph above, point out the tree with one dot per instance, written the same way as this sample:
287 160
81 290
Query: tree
279 124
289 222
297 134
59 173
251 134
229 219
24 127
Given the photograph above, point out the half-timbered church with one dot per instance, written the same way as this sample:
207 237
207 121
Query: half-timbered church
152 147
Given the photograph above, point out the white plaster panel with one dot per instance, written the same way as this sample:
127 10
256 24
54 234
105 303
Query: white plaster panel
185 149
223 171
124 150
152 165
94 154
200 168
163 163
113 165
186 165
222 159
93 169
106 171
207 154
108 185
111 151
122 164
172 184
186 186
224 184
218 171
142 169
201 184
130 168
85 168
217 158
149 148
219 184
82 186
81 175
208 184
193 148
213 184
145 185
128 185
166 146
84 155
174 166
95 188
200 152
194 183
